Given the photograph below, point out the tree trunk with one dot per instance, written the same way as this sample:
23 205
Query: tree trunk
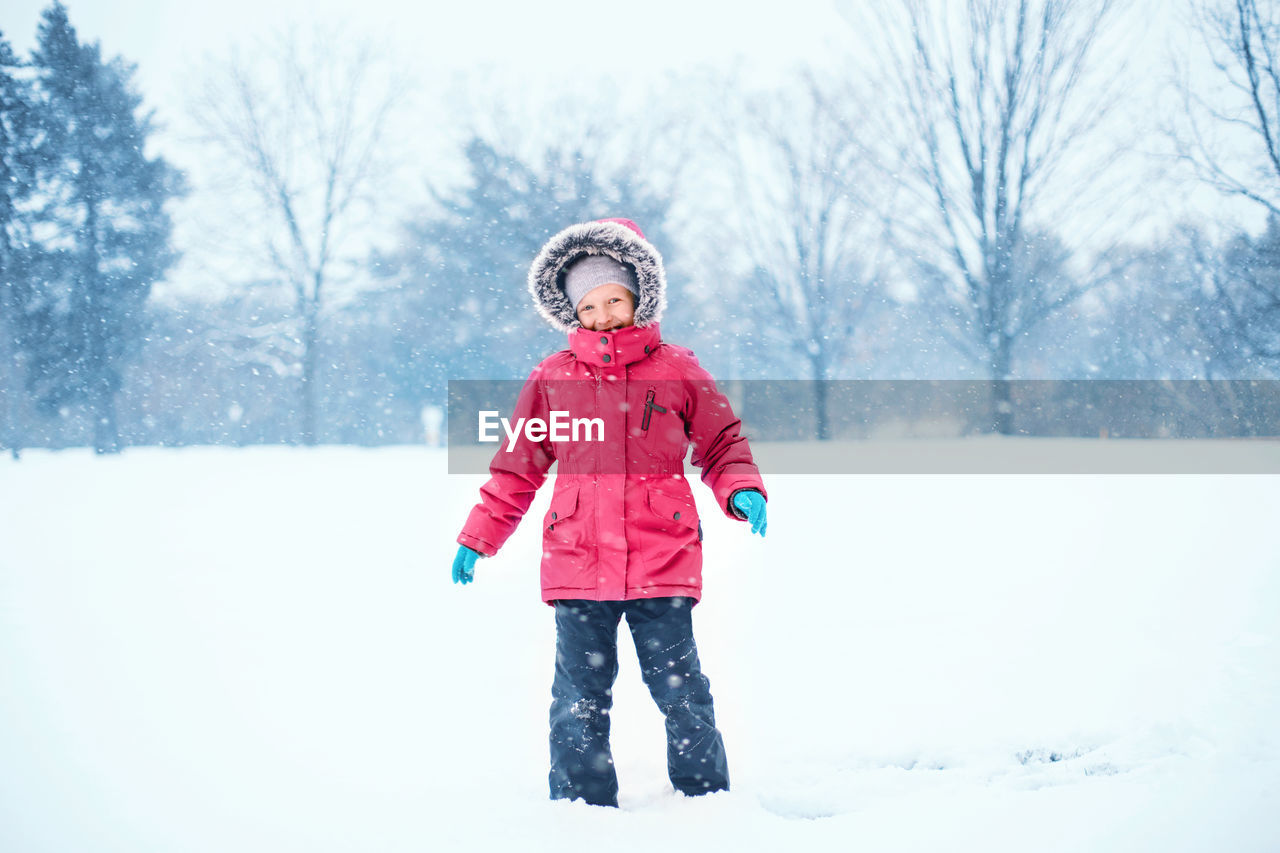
309 389
10 380
106 436
1001 397
106 430
821 425
9 436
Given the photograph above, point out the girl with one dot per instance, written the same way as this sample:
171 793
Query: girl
622 535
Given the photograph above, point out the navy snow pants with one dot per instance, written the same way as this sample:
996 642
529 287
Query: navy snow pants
582 696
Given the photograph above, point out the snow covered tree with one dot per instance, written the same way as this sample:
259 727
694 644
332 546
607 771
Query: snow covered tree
463 265
17 141
101 232
1156 317
1246 297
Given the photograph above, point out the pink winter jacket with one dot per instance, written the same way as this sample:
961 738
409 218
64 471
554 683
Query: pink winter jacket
622 522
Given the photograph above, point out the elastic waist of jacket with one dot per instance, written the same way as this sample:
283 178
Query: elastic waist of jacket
615 470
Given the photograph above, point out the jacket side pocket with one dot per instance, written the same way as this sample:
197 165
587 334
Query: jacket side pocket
677 511
564 504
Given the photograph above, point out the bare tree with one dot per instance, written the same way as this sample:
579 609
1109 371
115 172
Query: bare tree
1243 41
990 103
804 221
1230 137
304 122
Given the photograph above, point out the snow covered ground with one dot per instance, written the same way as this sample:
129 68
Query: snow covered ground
261 650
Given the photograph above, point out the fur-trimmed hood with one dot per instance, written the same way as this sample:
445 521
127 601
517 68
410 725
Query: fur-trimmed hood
620 239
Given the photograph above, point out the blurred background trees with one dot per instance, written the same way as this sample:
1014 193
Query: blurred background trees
950 207
96 235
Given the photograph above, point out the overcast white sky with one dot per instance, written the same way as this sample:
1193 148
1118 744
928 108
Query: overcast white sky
530 42
162 36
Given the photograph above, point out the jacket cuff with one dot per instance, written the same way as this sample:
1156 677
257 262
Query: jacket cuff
480 546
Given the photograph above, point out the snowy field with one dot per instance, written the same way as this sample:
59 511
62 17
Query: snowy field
261 650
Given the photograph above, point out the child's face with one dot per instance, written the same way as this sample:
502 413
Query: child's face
609 306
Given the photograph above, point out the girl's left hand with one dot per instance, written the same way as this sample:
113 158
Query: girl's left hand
464 565
751 503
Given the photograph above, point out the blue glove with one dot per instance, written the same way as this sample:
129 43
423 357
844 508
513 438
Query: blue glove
464 565
751 503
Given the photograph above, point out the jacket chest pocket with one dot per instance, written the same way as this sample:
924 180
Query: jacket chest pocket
677 511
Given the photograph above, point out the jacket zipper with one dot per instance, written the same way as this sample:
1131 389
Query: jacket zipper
649 408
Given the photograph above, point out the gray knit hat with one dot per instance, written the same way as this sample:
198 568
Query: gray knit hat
620 239
590 271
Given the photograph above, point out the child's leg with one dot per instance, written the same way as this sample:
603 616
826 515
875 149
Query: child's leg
582 694
663 632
